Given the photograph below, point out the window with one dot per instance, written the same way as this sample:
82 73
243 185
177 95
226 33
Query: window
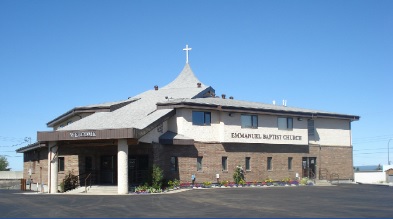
249 121
199 163
248 163
224 163
289 163
174 164
285 123
201 118
32 166
269 163
311 128
61 164
88 164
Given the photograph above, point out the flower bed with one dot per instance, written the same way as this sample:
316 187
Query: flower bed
223 184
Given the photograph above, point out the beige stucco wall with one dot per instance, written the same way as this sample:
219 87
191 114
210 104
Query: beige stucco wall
198 133
154 134
227 128
267 131
332 132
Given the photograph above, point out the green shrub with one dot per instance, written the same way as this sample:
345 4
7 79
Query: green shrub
157 177
70 182
304 181
238 175
207 184
62 186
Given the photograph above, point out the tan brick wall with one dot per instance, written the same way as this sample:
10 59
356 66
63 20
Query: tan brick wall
37 160
333 159
336 160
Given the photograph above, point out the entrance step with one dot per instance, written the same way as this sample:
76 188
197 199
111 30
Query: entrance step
95 190
322 182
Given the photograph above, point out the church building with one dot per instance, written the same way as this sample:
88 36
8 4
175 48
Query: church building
186 129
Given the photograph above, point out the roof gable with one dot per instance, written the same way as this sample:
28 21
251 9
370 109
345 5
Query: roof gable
186 79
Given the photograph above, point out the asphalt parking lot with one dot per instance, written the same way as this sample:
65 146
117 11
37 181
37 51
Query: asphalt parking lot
309 201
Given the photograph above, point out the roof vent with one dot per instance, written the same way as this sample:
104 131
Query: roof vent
231 97
199 84
156 87
223 96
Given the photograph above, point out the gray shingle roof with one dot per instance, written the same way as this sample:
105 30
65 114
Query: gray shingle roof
231 104
186 79
142 112
108 106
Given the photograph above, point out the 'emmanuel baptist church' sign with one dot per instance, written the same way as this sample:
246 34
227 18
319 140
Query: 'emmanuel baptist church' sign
267 136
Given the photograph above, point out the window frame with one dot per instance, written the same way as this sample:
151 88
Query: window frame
290 160
311 127
206 116
60 164
269 166
174 163
288 123
199 164
248 164
224 163
252 121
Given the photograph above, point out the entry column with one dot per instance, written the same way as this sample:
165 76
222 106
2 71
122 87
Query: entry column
122 166
53 166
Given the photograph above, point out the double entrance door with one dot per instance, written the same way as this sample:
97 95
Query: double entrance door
138 169
108 173
309 167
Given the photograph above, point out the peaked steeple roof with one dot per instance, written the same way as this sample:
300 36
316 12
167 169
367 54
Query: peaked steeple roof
186 79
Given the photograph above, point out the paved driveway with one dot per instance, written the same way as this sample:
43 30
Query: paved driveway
309 201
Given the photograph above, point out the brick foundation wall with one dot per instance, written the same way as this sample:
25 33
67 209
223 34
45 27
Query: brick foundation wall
334 159
331 159
37 160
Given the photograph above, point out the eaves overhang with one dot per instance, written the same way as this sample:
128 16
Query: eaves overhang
30 147
91 134
89 109
239 109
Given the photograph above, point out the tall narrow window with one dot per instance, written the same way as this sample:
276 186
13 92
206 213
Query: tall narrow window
174 164
61 164
285 123
224 163
269 163
248 163
199 163
289 163
249 121
88 164
201 118
311 128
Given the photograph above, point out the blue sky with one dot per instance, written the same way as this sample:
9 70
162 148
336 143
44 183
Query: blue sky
326 55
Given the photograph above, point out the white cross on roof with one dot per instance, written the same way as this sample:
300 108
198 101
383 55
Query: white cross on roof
187 49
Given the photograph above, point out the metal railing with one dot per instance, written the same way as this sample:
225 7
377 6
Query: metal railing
335 176
87 178
323 174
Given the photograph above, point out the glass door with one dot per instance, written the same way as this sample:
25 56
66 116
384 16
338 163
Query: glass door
309 167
